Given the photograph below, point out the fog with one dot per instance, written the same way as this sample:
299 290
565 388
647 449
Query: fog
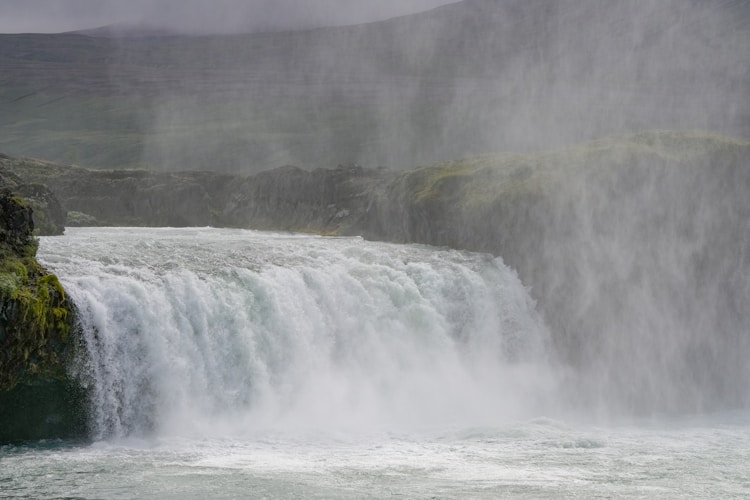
198 16
465 79
449 81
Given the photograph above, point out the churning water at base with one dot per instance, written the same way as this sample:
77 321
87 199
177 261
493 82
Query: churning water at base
234 363
538 458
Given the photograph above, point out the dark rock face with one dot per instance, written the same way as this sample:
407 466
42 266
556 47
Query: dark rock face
36 337
326 201
130 197
287 198
42 409
48 214
17 227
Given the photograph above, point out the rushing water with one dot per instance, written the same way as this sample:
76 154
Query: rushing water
232 363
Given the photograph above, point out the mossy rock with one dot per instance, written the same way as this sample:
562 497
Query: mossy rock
37 398
80 219
35 323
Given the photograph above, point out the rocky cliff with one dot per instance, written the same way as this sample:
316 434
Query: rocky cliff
37 399
48 215
127 197
324 201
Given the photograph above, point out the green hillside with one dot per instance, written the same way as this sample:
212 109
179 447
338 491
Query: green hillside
463 79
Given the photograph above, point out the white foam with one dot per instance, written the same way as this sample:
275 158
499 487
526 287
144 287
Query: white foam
223 332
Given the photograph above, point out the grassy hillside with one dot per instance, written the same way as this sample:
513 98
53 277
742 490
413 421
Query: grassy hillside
463 79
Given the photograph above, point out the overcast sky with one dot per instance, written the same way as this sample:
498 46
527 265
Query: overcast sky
53 16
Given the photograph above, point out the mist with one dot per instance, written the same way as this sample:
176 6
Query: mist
470 78
635 246
450 81
336 249
198 16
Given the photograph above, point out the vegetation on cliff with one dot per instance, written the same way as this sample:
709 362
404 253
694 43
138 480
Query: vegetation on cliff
471 203
36 343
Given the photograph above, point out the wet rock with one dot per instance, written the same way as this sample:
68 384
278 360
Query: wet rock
37 336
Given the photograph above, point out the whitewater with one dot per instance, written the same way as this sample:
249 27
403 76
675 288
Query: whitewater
241 364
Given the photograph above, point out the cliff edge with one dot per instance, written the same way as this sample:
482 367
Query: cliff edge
37 399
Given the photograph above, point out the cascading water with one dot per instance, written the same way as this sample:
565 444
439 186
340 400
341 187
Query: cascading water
238 364
207 331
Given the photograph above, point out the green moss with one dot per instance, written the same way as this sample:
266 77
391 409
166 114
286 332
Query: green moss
433 182
20 201
460 203
13 268
37 398
474 181
34 312
80 219
37 330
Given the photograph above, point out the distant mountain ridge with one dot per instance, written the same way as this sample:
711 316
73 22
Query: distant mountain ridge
465 78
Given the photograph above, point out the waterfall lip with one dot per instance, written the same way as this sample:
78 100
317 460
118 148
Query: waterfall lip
219 331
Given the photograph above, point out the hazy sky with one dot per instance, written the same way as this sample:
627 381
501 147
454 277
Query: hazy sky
50 16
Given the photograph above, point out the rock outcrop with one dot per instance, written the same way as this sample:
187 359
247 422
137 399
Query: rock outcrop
37 400
48 214
324 201
333 200
128 197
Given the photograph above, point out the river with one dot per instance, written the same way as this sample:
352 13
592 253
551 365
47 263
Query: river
241 364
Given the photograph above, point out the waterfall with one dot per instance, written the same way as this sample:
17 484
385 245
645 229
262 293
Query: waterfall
226 331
